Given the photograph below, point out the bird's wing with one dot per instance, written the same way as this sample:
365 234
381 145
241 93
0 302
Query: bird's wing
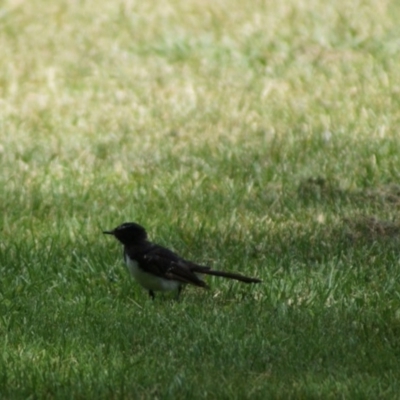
165 263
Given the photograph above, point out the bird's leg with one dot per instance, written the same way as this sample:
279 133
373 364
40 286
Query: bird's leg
180 287
151 294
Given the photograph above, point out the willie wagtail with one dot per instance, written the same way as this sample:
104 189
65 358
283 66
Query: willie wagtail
158 269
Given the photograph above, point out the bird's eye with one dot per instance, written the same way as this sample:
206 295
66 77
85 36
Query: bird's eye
122 227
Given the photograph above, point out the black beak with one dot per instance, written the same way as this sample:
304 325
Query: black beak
108 232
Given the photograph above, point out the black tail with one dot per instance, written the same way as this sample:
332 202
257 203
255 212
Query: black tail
230 275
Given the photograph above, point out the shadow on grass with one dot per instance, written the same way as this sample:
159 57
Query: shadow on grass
332 223
319 189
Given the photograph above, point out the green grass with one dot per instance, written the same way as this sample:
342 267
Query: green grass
260 137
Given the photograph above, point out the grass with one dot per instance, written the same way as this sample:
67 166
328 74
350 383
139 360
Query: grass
250 136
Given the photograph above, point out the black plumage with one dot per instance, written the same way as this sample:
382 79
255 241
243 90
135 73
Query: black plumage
158 268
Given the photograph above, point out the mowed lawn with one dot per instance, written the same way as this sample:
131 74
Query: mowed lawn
253 136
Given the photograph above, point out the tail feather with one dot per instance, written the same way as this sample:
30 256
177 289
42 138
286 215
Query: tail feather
230 275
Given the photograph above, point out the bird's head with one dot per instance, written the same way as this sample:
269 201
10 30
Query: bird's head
129 233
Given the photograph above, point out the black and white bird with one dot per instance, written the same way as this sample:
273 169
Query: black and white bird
157 268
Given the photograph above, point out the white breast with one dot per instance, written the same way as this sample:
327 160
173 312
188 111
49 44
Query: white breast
149 281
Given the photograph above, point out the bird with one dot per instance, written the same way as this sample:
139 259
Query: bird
157 268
